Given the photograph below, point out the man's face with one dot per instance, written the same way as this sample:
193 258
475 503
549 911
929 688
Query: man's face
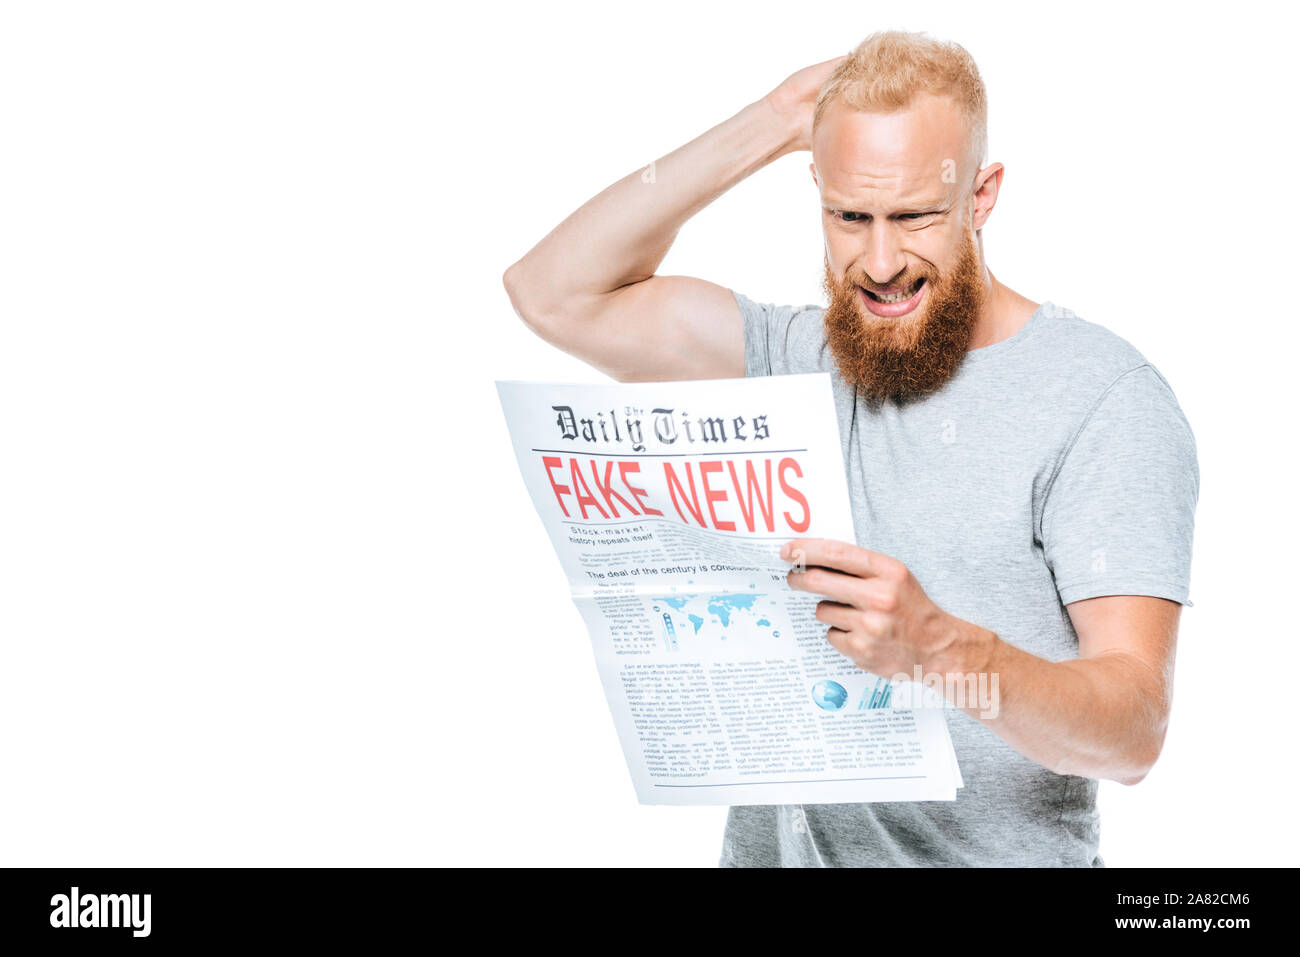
903 272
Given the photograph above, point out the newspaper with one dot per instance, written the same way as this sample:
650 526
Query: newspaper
667 504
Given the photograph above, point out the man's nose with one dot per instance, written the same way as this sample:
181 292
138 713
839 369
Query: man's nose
883 259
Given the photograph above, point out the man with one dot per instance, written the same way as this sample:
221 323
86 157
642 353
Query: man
1023 481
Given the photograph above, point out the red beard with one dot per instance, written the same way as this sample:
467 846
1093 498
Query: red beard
912 356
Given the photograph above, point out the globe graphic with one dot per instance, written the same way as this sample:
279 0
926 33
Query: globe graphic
829 695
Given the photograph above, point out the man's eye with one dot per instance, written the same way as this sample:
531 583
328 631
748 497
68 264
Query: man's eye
913 215
846 214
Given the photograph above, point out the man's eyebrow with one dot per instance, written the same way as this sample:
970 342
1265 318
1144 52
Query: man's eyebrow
934 206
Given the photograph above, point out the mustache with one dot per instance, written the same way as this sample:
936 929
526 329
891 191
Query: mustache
906 282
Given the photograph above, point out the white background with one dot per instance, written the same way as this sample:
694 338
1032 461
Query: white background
271 589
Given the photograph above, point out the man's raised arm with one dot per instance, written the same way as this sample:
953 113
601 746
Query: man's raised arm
589 287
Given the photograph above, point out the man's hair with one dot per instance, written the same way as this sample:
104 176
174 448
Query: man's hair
887 70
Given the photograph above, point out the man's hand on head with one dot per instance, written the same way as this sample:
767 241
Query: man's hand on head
795 100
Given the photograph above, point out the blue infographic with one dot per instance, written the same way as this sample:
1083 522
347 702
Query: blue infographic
712 617
876 695
829 695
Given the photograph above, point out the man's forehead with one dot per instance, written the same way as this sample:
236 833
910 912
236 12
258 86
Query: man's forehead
917 154
849 189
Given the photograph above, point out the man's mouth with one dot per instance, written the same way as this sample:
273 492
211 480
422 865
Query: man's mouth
896 303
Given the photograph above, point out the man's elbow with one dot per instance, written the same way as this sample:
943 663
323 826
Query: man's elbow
1142 762
543 321
513 284
1127 766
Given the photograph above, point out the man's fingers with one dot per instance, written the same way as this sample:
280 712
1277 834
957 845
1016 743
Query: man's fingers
843 556
845 589
840 640
837 614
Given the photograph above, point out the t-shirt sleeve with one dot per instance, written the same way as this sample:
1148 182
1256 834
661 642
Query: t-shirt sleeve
760 323
1118 516
780 340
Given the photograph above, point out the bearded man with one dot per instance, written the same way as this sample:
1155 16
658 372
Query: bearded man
1023 481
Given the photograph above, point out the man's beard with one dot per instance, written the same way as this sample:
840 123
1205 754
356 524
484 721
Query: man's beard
915 354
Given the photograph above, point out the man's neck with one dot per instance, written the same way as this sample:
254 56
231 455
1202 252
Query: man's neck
1003 314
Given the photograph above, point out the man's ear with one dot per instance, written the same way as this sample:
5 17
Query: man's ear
812 168
987 183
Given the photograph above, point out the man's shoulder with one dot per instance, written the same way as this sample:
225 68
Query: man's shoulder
1089 341
806 345
1085 352
783 339
1096 378
773 313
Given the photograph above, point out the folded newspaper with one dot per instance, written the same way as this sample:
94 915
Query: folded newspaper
667 504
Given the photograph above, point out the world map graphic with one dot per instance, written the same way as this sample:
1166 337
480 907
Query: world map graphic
711 617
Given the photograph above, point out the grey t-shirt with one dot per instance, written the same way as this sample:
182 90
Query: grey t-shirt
1055 465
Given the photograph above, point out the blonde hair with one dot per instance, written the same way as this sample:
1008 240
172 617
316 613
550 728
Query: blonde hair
887 70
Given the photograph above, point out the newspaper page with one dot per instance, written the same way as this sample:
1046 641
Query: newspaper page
667 504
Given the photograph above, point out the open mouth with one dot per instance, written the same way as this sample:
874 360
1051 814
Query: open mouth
896 304
897 297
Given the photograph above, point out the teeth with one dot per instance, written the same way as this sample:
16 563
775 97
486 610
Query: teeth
896 297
